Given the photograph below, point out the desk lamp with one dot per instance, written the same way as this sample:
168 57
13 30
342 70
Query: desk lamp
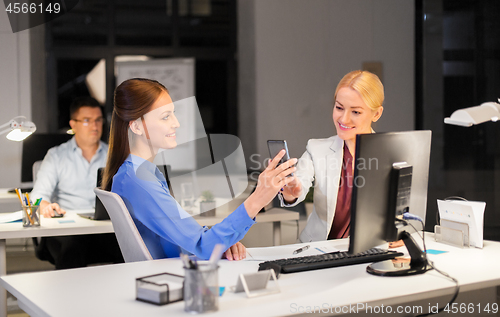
467 117
19 128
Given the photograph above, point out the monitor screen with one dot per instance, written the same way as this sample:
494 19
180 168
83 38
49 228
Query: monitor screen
373 208
34 149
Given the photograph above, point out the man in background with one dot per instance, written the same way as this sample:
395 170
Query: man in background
66 179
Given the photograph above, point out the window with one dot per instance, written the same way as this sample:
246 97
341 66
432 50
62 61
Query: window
104 29
458 66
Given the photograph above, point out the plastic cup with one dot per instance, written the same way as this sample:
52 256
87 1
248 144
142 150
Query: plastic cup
201 289
31 216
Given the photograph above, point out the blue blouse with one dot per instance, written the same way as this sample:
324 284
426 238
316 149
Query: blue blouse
165 227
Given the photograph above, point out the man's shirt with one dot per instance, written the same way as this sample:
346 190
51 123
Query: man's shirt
67 178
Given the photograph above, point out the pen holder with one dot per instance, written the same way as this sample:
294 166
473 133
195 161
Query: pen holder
31 216
201 289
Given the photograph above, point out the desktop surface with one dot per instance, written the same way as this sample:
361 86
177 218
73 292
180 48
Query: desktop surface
70 224
110 290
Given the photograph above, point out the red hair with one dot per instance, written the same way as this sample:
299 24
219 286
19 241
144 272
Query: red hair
133 99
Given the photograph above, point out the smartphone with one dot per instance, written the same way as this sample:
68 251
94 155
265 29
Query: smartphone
275 146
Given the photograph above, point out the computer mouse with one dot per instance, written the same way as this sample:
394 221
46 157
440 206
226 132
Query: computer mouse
56 214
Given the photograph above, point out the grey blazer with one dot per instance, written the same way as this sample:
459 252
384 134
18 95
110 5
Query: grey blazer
320 166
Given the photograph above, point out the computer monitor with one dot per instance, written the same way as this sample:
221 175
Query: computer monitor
390 177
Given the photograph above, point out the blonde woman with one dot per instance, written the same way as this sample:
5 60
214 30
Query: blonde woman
327 164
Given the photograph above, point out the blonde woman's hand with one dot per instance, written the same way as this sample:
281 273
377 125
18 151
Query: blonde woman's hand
292 191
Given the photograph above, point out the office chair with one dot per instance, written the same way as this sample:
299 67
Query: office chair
36 240
35 169
130 241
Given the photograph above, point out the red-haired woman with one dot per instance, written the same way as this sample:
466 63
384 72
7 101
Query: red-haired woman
143 122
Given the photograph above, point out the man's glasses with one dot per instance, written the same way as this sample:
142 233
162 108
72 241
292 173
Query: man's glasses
86 122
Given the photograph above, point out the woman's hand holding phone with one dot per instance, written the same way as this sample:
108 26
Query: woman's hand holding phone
270 182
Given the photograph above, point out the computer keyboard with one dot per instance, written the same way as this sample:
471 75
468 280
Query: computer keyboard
327 260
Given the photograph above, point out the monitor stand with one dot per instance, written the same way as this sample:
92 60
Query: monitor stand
418 263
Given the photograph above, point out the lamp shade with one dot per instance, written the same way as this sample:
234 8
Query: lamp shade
18 128
488 111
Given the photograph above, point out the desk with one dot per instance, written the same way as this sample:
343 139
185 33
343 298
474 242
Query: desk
110 290
50 227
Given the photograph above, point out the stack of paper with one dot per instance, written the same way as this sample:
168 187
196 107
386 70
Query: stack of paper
468 212
287 251
11 216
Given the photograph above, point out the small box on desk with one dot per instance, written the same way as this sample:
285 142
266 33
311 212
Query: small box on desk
462 223
160 289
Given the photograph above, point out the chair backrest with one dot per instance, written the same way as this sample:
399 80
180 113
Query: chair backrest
130 241
35 168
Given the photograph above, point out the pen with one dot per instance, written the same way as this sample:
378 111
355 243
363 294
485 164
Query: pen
193 264
18 192
19 196
28 202
30 214
301 249
216 255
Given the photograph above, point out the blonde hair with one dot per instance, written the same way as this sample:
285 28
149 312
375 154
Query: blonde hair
367 84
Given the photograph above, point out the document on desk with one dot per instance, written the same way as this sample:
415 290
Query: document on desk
469 212
287 251
11 216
